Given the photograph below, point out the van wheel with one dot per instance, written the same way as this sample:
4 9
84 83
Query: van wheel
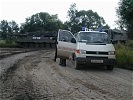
62 62
77 65
110 67
55 56
73 57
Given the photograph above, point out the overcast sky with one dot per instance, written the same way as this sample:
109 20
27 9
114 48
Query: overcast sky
18 10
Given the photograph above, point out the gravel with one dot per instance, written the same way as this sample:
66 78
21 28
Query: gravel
37 77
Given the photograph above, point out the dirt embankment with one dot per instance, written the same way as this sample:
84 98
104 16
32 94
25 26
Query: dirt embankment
6 52
38 77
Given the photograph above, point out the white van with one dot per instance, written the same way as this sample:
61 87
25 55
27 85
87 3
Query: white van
86 47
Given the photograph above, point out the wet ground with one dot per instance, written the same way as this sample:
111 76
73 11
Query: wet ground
35 76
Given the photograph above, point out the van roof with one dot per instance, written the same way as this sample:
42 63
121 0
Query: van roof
92 32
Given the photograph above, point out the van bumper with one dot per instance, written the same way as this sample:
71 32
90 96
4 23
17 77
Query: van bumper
90 61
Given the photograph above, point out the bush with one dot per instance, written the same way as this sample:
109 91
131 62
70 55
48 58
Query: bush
130 44
124 55
8 43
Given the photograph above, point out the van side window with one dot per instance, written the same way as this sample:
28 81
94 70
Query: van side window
65 36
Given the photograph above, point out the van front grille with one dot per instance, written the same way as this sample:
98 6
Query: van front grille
94 57
97 52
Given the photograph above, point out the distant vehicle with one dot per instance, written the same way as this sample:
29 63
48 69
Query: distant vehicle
36 39
86 47
116 35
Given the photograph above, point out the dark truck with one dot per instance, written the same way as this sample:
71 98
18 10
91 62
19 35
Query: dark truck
116 35
36 39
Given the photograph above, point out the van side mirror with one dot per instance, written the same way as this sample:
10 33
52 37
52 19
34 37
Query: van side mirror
73 40
111 41
53 38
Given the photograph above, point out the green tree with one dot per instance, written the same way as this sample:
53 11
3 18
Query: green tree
91 19
41 22
8 28
4 26
13 27
72 24
4 29
88 18
125 15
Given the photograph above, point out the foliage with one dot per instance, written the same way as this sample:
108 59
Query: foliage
13 27
8 44
124 55
130 43
82 18
8 29
125 14
41 22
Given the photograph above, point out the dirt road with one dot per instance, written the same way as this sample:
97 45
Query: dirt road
38 77
6 52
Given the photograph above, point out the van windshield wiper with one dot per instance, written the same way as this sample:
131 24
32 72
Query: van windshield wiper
98 42
82 41
94 42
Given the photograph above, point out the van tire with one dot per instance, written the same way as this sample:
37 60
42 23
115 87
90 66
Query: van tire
110 67
77 65
55 56
62 62
73 57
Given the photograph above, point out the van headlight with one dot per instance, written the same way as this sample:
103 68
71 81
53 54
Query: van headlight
81 51
111 53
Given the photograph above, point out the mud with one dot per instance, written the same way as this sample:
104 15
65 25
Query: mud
38 77
6 52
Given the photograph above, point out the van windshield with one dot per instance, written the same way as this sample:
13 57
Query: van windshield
93 37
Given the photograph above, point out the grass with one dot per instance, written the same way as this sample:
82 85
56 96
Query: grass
124 52
124 55
8 44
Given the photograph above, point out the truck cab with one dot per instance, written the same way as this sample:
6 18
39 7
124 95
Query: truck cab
86 47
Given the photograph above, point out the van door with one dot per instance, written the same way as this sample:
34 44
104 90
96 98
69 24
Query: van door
66 44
